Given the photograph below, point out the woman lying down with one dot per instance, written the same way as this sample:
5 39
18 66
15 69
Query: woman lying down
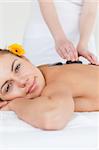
46 96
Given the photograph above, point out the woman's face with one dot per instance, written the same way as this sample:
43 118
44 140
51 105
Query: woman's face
19 78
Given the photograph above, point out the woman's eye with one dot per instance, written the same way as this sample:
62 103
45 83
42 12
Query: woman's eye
8 87
17 68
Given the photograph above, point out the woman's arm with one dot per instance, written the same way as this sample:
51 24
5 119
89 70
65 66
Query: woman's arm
45 112
87 22
51 18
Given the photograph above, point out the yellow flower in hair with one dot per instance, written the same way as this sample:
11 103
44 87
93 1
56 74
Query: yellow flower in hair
16 49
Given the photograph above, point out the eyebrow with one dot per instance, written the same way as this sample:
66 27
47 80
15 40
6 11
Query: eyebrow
12 67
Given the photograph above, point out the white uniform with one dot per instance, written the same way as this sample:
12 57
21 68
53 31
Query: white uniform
38 40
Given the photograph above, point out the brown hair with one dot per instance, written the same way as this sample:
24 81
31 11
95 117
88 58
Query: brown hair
6 51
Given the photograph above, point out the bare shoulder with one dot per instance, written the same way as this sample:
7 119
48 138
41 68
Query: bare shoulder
41 67
56 88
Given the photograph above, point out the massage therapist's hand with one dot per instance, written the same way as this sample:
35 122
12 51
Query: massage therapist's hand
88 55
66 49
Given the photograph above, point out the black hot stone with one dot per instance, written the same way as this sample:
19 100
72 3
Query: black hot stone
59 63
73 62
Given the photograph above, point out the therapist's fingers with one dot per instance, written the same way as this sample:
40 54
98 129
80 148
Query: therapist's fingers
65 54
71 55
70 51
91 57
74 51
60 53
66 50
94 59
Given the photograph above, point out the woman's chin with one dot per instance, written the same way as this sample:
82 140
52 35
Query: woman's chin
33 95
36 93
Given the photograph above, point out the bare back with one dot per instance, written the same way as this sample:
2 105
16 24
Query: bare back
82 80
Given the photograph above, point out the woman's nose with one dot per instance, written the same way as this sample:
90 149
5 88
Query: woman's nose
21 82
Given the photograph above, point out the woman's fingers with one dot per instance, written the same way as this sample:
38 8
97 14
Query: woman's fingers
3 103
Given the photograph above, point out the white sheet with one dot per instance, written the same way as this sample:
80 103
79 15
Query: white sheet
80 133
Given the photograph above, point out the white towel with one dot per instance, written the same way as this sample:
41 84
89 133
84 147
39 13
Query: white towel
81 132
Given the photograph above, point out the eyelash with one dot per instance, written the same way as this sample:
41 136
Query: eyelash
17 68
10 84
8 87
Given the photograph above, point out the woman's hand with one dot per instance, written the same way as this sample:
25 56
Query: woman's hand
4 105
88 55
66 49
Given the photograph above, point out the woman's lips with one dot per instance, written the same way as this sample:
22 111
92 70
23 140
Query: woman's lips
32 88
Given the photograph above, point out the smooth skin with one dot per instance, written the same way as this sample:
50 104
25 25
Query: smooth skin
60 90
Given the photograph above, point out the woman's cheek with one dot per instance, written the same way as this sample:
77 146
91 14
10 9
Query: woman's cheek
15 94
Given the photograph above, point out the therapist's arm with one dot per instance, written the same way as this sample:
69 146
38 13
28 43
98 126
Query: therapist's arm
51 18
87 22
